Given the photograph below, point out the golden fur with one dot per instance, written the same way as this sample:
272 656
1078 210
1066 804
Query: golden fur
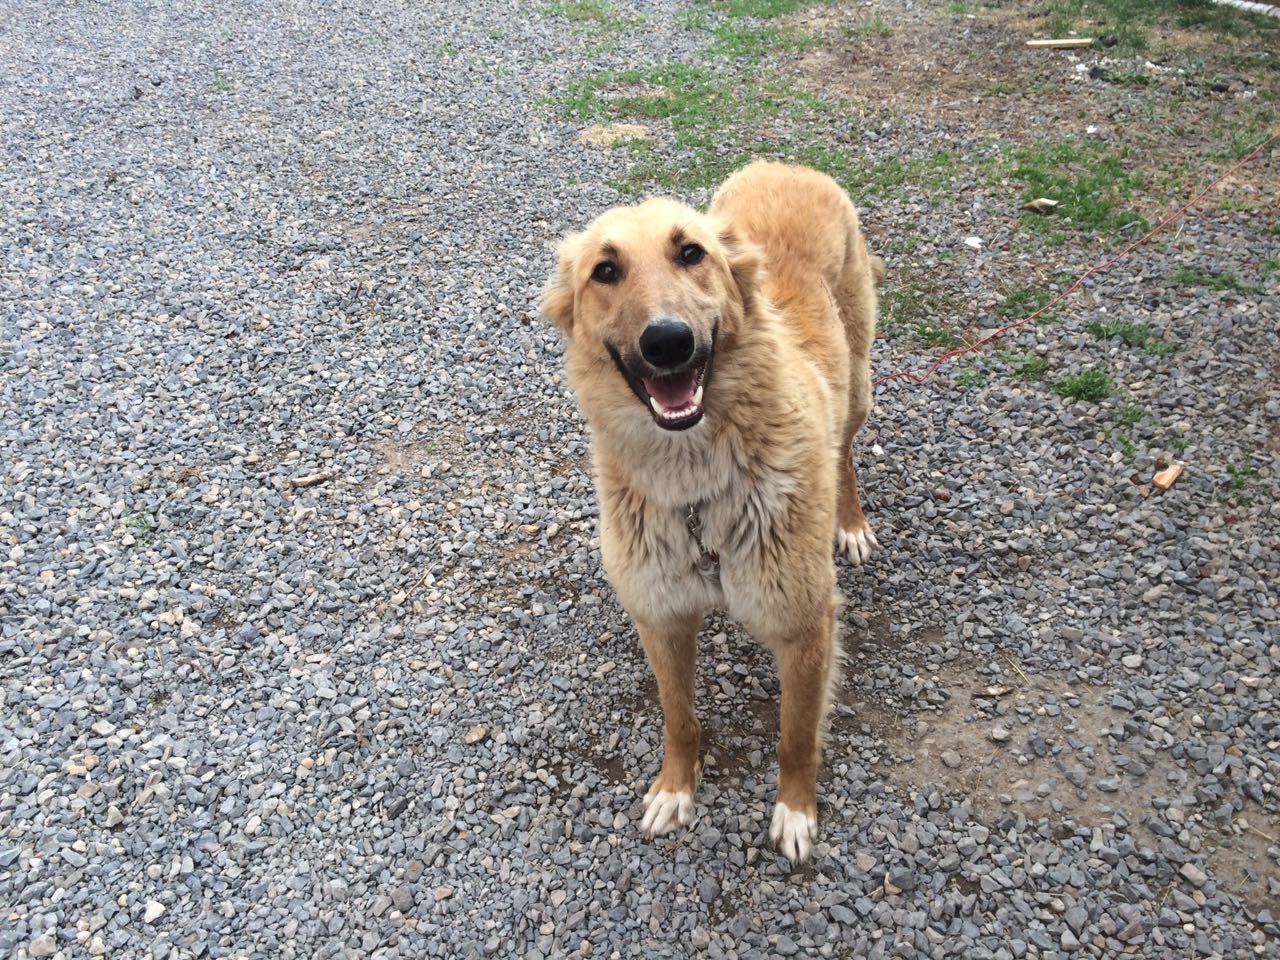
785 296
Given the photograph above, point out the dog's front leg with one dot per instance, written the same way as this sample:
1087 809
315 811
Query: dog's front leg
672 648
805 663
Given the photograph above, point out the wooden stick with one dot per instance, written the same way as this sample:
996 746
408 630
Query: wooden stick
311 479
1065 43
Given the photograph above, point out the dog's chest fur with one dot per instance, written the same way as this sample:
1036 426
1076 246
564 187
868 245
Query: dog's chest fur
658 563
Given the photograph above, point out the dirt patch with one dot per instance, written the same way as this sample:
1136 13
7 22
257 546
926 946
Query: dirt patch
612 134
430 448
1187 101
1052 750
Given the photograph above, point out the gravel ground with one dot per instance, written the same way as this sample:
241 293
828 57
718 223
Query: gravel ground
397 712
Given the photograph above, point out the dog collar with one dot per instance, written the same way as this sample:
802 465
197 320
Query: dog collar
709 562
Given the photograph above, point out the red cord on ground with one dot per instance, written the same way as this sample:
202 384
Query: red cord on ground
961 351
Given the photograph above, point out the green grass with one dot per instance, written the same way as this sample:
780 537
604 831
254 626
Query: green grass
1092 187
718 118
1132 335
1021 302
746 42
141 525
871 28
1128 415
1131 21
1211 280
591 16
220 83
1089 385
910 313
970 378
1241 477
1270 267
758 9
1033 368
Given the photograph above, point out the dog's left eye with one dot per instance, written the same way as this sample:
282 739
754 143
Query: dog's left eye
691 254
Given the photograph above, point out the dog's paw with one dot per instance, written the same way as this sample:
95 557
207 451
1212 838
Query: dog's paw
793 833
665 811
857 545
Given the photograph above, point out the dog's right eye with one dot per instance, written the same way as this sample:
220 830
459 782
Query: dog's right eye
605 272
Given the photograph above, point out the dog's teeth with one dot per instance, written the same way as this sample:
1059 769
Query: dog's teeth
697 396
657 407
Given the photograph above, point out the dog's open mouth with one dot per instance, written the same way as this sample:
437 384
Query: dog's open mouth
675 400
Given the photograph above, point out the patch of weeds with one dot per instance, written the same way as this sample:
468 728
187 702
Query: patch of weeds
759 9
1177 444
1270 267
1210 280
447 50
1240 476
1127 78
1021 302
141 525
1128 415
886 179
1033 368
1238 485
998 90
220 83
909 313
693 18
1235 135
971 378
1089 385
871 28
705 110
740 42
717 117
1133 334
1130 21
593 16
581 99
1090 185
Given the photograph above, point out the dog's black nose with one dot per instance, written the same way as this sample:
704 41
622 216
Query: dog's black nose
667 343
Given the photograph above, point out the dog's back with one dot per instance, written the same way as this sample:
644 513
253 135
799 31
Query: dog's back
822 281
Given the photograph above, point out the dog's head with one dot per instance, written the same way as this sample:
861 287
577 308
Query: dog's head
645 295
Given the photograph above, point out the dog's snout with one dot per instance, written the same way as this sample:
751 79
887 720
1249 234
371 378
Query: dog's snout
667 343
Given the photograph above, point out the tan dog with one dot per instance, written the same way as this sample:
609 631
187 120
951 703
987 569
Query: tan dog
723 361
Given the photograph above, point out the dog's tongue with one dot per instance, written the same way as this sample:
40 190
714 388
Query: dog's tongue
675 391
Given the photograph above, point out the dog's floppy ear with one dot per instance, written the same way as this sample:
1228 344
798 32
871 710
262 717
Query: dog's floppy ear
746 261
558 294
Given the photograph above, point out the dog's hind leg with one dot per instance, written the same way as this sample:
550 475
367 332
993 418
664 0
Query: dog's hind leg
672 650
855 296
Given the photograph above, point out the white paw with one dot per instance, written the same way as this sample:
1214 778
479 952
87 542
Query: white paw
793 833
665 811
857 545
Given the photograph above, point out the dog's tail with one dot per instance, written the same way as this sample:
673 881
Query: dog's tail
878 269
